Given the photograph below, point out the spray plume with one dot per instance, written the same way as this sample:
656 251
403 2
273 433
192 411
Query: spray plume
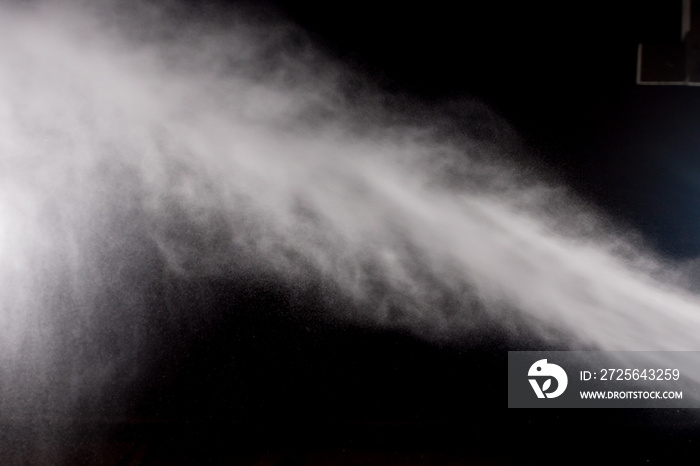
139 144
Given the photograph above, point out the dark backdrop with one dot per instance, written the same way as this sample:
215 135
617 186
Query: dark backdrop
274 376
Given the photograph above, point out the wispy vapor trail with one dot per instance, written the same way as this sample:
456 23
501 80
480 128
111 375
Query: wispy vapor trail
196 150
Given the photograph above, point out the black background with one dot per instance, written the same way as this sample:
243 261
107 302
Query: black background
279 376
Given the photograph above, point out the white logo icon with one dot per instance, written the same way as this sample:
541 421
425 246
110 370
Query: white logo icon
542 369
